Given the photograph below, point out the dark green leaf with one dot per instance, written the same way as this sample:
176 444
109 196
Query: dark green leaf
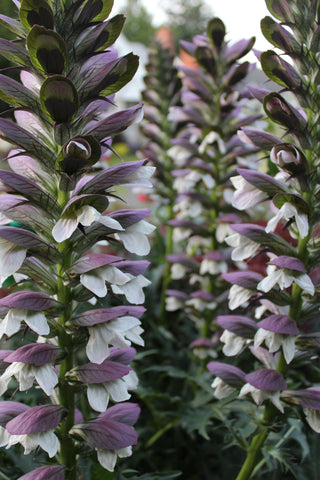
47 50
36 12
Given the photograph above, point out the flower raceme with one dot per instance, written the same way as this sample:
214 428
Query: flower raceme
64 240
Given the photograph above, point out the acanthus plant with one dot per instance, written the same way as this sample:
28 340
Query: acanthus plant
206 153
67 303
163 87
275 311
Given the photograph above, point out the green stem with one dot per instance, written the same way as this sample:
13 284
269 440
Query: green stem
65 340
166 276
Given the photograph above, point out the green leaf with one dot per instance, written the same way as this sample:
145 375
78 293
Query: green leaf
47 50
14 52
36 12
59 98
16 94
99 37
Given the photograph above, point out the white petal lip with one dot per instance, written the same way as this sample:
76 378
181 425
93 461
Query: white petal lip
238 296
107 459
11 257
98 397
233 343
313 418
64 228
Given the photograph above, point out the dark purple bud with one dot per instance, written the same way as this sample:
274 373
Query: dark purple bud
258 138
101 315
292 263
231 375
202 343
238 324
50 472
9 410
36 420
28 300
266 379
308 398
279 324
92 261
99 373
239 49
34 353
247 280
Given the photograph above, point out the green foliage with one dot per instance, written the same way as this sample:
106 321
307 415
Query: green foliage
139 25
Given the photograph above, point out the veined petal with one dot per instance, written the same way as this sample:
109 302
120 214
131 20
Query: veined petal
98 344
37 322
118 390
98 397
95 282
133 289
107 459
238 296
11 257
305 282
64 228
47 378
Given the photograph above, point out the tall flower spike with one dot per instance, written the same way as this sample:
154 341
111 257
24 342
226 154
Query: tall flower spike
287 228
206 152
58 220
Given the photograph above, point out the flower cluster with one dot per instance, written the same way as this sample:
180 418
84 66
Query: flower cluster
60 234
274 298
206 153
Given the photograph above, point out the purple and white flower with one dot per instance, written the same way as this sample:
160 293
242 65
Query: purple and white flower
284 271
264 384
111 433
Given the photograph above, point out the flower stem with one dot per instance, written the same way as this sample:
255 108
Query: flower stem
66 393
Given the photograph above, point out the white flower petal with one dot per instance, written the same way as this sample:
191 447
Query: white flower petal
118 390
46 378
98 397
107 459
11 257
95 282
64 228
313 418
97 347
37 322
